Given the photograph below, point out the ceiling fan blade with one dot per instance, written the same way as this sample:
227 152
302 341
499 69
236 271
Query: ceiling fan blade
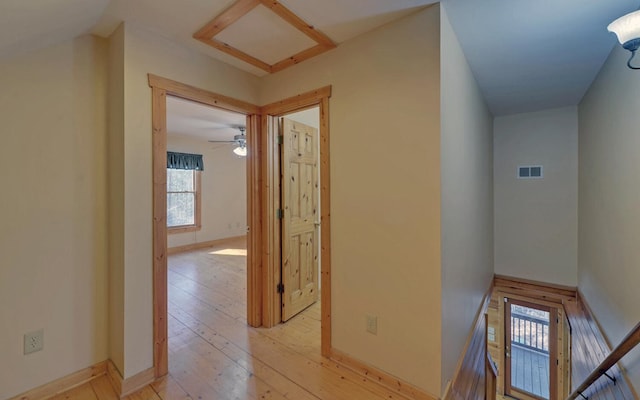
240 139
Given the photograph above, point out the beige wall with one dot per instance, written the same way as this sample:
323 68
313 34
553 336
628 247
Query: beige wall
385 197
146 52
467 198
115 164
536 220
224 191
53 242
609 206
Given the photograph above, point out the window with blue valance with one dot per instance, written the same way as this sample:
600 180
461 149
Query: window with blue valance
184 161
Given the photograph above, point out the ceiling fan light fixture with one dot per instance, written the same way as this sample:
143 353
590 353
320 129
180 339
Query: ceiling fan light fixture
239 140
627 29
240 151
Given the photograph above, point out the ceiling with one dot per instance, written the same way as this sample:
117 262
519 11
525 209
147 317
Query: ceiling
526 55
341 20
28 25
531 55
188 118
195 120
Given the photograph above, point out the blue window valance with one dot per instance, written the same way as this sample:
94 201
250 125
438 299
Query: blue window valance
184 161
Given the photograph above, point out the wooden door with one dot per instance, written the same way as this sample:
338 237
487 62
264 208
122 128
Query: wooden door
530 350
301 217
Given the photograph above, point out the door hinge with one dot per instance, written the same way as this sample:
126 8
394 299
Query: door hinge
280 139
279 213
280 288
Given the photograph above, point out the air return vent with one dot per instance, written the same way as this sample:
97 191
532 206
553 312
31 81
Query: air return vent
530 172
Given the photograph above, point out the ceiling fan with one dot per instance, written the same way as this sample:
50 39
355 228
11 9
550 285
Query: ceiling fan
240 140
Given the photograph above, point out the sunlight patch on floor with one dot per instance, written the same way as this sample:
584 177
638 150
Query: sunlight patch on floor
230 252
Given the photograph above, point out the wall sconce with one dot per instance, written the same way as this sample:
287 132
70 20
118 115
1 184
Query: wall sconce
627 28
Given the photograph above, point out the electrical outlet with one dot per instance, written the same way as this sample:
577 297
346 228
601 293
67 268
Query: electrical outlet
33 341
372 324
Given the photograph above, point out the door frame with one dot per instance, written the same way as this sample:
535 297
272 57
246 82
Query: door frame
553 345
260 170
272 306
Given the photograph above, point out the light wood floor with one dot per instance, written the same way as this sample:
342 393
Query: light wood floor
214 354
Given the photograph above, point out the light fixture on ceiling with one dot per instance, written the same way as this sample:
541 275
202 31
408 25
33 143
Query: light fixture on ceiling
627 28
241 150
240 140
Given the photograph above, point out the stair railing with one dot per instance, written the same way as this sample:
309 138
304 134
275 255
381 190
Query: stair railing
628 343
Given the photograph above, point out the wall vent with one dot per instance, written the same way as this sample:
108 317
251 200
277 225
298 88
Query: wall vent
530 172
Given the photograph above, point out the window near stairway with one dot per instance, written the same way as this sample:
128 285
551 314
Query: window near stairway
183 192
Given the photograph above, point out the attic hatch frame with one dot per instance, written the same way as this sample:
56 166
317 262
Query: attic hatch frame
262 297
240 8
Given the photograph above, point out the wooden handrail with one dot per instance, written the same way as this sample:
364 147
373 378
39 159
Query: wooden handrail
492 365
628 343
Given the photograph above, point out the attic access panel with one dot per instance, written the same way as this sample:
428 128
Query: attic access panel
241 8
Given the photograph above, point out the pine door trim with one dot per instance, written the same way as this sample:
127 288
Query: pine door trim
160 88
271 312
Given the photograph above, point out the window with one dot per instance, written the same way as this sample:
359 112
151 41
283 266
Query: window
183 191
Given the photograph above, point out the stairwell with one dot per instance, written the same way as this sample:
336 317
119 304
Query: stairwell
583 349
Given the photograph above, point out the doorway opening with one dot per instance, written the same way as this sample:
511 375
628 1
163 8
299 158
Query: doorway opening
206 177
273 279
161 88
531 350
262 174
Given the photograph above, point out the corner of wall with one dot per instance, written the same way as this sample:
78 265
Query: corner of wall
115 166
467 197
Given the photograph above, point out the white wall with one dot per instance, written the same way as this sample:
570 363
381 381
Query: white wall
146 52
53 241
536 220
385 191
467 197
609 207
224 191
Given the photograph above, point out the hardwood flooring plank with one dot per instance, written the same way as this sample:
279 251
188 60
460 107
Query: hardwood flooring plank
291 337
222 286
168 389
103 389
233 309
82 392
146 393
253 366
215 355
320 380
224 375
